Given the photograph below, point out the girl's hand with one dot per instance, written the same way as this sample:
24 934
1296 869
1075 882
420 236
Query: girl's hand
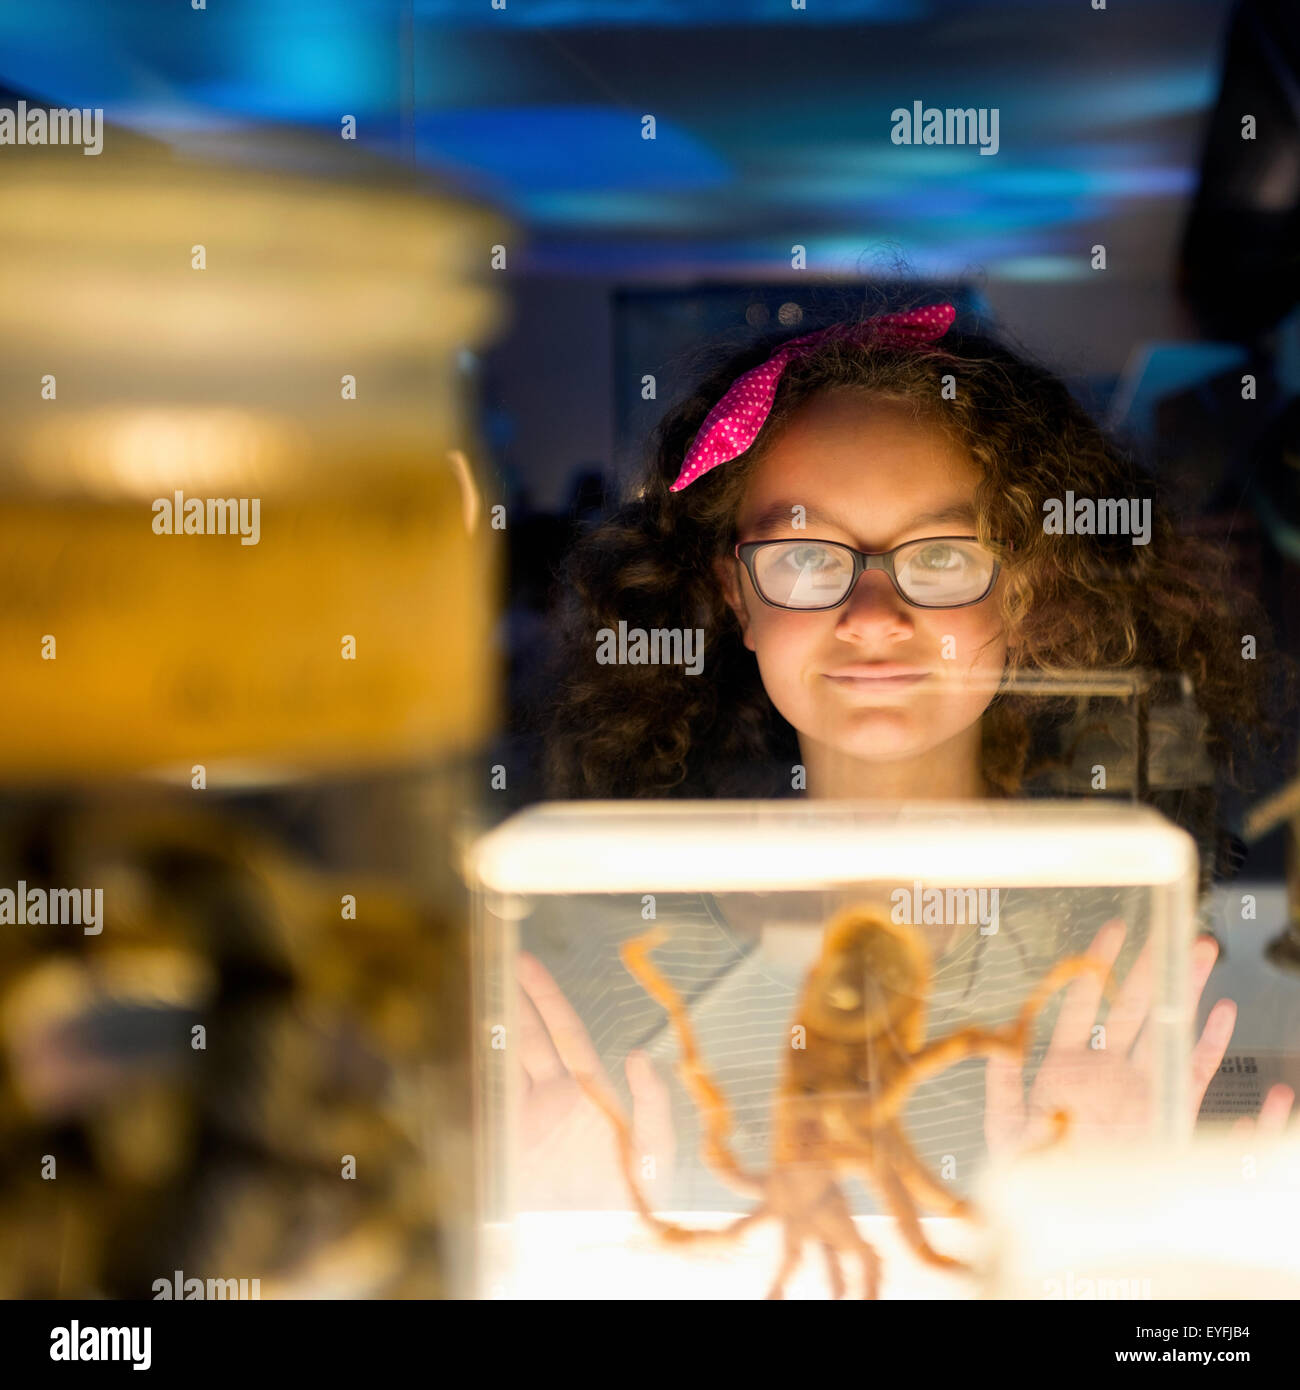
1273 1115
1095 1073
568 1153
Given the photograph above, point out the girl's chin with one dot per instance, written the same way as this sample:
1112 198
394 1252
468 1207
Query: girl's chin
882 752
880 733
881 736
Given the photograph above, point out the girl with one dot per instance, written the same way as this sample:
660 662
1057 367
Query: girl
854 519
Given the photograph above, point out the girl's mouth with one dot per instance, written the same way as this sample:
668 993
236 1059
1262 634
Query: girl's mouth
877 675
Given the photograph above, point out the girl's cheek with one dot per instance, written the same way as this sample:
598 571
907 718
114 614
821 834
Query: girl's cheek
972 637
785 632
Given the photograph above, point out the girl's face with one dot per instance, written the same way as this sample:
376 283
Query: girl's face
869 475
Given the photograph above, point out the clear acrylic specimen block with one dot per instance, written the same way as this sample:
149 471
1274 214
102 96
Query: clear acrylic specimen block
992 898
1219 1219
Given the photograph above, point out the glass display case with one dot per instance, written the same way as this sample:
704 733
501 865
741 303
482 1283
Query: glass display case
807 1027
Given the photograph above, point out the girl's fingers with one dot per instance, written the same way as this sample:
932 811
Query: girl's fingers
535 1051
562 1023
1276 1109
1132 1003
1204 954
1079 1007
1208 1052
1273 1114
652 1111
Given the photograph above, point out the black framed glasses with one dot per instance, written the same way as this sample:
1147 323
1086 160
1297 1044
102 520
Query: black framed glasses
934 572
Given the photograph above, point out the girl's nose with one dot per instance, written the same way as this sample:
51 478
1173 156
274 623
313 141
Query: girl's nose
874 610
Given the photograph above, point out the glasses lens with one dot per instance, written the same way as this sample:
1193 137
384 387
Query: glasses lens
942 574
803 574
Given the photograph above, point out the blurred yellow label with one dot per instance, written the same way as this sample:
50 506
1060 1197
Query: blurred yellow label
355 630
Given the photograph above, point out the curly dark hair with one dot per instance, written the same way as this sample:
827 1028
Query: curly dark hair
1072 602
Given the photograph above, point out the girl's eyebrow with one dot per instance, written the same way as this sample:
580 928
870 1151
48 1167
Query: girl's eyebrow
781 513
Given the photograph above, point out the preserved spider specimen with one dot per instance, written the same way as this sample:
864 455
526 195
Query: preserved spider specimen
837 1110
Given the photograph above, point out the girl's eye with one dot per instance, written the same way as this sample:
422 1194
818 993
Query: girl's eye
940 557
811 557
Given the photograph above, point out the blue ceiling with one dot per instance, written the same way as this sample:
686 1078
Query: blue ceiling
773 125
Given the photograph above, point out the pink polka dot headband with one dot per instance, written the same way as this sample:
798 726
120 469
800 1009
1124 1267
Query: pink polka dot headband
733 424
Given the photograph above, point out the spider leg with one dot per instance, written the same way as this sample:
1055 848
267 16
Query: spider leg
708 1098
900 1203
792 1253
1060 1122
833 1224
1060 974
870 1268
833 1271
873 1111
669 1230
918 1179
